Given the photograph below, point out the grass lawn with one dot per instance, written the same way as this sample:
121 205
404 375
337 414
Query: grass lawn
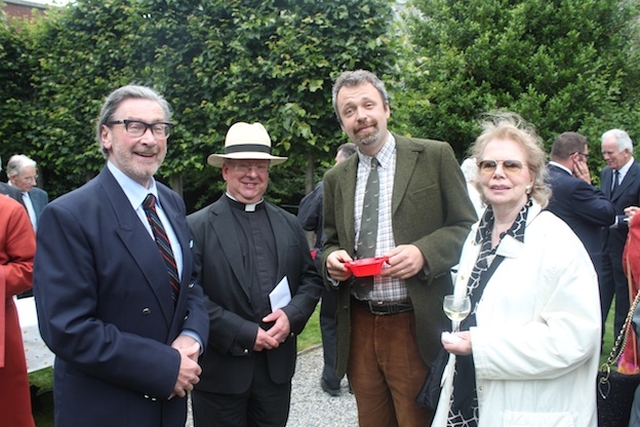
43 404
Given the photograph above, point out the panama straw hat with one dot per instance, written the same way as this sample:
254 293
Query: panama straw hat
246 141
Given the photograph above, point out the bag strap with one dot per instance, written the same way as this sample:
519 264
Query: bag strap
621 340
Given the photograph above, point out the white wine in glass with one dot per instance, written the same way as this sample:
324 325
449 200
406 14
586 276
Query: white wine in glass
456 308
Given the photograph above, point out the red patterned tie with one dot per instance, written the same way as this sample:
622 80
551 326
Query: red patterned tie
164 245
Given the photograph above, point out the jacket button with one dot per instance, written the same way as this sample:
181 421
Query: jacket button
191 285
146 311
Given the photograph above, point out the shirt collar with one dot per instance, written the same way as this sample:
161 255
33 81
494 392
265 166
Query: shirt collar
558 165
384 156
624 169
135 192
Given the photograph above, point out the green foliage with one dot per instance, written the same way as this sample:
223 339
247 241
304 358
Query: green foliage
562 65
217 62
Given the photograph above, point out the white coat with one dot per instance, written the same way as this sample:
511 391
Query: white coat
536 345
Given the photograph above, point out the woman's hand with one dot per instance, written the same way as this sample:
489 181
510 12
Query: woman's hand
461 347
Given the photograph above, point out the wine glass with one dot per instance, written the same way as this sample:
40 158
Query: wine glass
457 308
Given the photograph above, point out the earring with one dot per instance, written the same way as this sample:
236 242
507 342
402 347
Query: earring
527 189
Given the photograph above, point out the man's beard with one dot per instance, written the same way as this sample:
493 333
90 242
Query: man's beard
369 139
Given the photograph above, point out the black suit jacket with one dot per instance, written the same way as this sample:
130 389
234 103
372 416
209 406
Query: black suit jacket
583 207
228 362
627 194
12 192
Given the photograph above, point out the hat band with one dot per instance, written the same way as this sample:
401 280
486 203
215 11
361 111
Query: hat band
247 147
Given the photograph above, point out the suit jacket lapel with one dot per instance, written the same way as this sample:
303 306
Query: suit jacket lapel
222 221
631 176
345 195
138 242
278 223
406 155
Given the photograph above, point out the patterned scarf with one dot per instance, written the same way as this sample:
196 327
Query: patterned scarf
463 411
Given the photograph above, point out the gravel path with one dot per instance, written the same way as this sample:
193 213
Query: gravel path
310 406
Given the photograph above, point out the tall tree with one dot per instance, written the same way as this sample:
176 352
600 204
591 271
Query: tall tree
217 62
562 65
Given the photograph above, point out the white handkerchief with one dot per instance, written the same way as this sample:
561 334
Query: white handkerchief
280 295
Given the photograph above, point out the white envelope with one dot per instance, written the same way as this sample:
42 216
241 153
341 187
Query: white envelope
280 295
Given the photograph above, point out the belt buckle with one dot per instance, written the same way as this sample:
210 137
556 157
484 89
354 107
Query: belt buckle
382 309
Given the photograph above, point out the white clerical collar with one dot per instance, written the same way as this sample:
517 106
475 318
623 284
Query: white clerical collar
248 207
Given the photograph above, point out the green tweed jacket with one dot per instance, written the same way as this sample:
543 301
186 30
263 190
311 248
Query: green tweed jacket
431 210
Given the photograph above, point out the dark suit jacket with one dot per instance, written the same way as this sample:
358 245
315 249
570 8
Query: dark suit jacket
627 194
39 198
430 209
228 362
583 207
12 192
105 309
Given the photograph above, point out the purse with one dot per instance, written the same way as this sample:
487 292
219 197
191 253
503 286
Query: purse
615 391
430 391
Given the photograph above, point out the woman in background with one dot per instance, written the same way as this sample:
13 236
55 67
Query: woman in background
17 249
528 352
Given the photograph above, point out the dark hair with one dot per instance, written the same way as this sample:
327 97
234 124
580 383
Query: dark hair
116 98
566 144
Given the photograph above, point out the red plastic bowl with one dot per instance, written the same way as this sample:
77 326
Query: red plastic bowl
366 266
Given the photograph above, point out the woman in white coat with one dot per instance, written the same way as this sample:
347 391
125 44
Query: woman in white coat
528 353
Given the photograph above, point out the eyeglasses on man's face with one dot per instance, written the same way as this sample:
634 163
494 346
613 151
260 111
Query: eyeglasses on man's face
33 178
585 155
245 168
137 128
511 167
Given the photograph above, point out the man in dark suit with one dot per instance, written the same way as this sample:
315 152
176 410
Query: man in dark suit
260 285
8 190
21 171
116 297
389 326
310 216
620 182
578 203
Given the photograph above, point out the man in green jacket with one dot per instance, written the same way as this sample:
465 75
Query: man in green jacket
389 325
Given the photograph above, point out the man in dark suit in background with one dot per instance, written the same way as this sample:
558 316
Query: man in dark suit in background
389 326
22 174
620 182
8 190
578 203
113 281
310 216
260 288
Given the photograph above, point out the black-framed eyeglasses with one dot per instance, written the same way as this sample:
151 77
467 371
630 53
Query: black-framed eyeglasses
586 155
136 128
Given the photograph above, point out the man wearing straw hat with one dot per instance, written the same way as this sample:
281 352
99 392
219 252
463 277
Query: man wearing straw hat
261 286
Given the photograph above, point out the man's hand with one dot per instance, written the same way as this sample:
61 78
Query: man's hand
186 342
276 334
405 261
581 169
189 372
335 265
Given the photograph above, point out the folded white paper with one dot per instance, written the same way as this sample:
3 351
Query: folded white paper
280 295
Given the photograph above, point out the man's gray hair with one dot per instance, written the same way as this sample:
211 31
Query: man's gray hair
18 162
120 95
623 140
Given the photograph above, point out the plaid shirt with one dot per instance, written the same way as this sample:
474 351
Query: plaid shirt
385 289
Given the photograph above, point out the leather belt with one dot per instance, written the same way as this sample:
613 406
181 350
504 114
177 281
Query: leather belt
382 308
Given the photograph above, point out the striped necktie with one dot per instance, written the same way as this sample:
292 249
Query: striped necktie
164 245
